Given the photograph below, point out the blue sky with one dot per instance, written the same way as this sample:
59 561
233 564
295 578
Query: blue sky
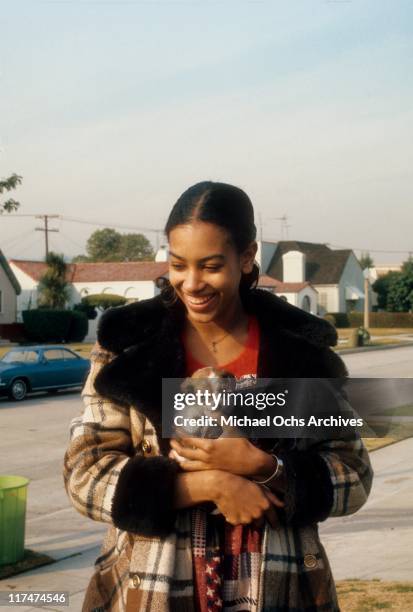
110 110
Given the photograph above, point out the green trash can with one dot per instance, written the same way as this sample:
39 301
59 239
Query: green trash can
13 495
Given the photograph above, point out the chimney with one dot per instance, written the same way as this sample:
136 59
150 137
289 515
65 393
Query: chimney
162 253
293 267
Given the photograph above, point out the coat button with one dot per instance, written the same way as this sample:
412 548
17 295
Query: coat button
146 446
310 561
136 581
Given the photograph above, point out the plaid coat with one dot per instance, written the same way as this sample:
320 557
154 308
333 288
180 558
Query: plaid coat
116 467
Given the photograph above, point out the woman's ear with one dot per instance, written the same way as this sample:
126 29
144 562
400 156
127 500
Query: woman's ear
248 258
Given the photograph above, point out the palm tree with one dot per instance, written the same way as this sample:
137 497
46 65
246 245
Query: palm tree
53 289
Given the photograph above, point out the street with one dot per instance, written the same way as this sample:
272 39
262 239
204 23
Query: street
376 542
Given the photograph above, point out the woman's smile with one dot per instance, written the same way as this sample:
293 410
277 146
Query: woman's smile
201 303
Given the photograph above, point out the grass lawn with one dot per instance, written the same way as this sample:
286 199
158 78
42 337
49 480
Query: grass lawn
370 595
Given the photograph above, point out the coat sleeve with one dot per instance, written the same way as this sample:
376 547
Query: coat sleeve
106 478
331 477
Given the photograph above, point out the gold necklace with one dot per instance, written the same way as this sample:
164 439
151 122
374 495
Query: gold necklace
215 342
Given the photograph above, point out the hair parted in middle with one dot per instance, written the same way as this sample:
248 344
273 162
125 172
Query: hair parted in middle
224 205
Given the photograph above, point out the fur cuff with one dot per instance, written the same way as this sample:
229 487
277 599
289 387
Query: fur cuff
309 495
143 502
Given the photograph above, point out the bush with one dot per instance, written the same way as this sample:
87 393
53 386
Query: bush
104 300
87 309
43 325
382 319
338 319
79 327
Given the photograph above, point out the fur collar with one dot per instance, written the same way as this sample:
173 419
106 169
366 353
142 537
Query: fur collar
125 326
145 338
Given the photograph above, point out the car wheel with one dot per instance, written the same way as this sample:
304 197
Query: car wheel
18 390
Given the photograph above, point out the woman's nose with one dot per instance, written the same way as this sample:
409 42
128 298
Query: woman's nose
193 282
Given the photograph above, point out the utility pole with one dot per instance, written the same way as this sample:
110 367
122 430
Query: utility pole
366 274
46 229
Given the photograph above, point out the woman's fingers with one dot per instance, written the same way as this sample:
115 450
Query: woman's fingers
195 454
193 466
273 498
271 516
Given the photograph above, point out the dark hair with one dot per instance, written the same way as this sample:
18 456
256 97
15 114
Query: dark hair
224 205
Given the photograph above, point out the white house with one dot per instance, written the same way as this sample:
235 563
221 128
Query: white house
303 295
9 292
134 280
335 274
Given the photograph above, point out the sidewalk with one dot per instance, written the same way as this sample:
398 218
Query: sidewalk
374 543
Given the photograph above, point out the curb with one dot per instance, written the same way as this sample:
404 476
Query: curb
366 349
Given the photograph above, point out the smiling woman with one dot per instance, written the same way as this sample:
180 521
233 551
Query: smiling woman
201 525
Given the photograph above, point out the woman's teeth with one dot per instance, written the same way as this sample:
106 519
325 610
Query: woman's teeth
198 301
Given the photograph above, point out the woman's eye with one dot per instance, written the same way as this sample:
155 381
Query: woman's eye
177 266
213 268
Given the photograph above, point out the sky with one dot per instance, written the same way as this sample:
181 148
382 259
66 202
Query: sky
110 109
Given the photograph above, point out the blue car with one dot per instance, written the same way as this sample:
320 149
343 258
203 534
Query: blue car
41 368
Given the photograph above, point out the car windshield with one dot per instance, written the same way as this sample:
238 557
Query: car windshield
21 357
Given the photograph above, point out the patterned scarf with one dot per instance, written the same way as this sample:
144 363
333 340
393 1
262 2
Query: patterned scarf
226 562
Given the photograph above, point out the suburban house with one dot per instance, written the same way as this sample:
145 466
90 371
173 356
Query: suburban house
9 290
134 280
303 295
336 275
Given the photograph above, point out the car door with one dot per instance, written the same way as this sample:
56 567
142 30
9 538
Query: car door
54 367
75 368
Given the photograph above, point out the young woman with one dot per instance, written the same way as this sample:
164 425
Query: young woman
165 549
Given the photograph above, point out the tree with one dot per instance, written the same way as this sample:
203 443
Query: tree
382 286
8 185
109 245
103 245
366 261
400 295
135 247
53 289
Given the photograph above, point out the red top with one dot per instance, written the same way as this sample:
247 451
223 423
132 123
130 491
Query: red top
243 365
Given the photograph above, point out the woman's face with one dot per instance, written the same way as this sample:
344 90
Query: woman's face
205 269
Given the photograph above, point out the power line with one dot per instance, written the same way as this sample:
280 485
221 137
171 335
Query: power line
112 225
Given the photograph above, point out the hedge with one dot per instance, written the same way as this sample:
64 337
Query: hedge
45 325
376 319
382 319
104 300
339 319
79 326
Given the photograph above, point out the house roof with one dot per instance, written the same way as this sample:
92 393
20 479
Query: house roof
280 287
99 272
9 273
323 266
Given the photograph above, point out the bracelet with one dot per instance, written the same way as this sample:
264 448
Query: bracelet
278 469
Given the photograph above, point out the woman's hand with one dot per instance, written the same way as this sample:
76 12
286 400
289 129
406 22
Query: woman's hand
234 455
243 502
